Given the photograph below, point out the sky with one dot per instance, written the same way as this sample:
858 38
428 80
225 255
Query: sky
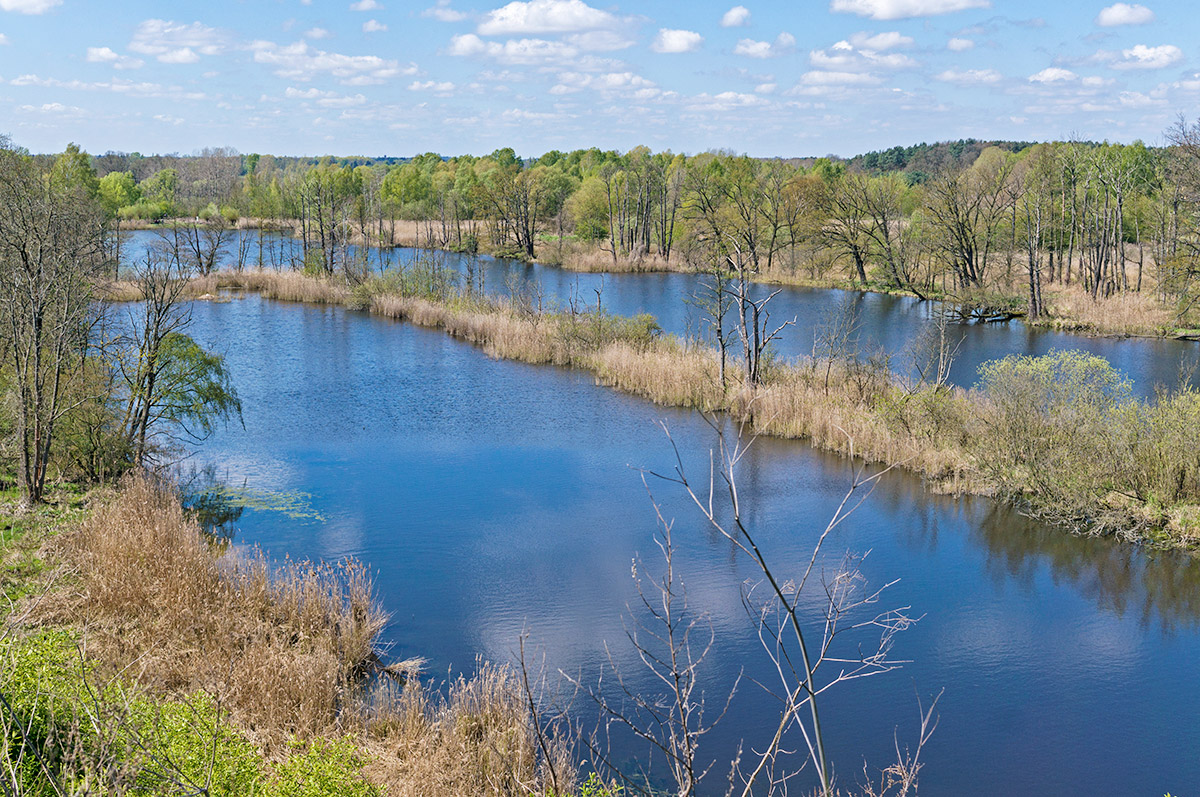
767 78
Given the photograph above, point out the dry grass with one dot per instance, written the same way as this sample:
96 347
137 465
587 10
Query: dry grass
577 256
475 739
286 649
282 647
1072 307
667 373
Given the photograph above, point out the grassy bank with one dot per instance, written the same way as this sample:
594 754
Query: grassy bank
141 656
1060 435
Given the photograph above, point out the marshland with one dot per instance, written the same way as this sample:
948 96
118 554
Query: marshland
292 509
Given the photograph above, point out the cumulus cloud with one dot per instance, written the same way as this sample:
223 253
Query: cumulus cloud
366 5
670 40
105 55
784 43
1124 14
29 6
439 86
625 83
823 77
513 51
116 86
325 99
736 17
300 61
3 40
544 16
723 102
373 26
846 57
967 77
959 45
176 43
52 107
1053 74
904 9
880 41
1141 56
442 12
317 33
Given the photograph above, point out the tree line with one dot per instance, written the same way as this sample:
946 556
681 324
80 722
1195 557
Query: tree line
92 387
987 225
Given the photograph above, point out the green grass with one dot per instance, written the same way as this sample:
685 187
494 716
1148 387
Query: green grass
22 534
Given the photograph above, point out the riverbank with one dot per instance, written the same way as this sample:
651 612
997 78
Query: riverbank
138 653
1058 435
1068 308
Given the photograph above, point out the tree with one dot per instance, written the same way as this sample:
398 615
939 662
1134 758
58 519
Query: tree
51 251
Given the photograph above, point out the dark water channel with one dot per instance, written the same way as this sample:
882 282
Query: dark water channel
492 497
889 324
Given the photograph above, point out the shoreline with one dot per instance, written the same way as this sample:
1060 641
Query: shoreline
1067 323
839 406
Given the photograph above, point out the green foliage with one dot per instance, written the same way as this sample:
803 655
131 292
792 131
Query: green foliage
321 768
193 391
88 734
82 733
118 190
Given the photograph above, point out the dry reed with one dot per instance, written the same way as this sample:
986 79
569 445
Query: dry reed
281 646
1126 313
286 648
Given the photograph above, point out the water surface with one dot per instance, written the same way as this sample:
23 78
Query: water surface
494 497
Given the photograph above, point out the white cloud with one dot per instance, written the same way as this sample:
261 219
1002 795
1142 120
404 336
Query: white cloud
904 9
299 61
1142 57
969 76
176 43
1136 99
626 84
958 45
29 6
1124 14
442 12
600 41
317 33
821 77
1095 82
52 107
325 99
725 101
116 86
545 16
750 48
374 26
1053 74
670 40
105 55
736 17
846 57
366 5
513 51
183 55
880 41
3 40
441 87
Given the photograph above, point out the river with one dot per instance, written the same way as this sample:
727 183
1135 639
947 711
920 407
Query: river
494 497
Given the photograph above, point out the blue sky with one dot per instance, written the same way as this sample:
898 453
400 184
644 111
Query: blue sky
381 77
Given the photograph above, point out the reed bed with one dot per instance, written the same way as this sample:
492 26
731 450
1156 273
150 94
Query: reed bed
1072 307
281 646
286 649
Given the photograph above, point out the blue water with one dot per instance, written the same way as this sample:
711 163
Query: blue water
494 497
891 325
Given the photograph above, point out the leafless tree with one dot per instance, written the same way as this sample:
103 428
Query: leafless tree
51 252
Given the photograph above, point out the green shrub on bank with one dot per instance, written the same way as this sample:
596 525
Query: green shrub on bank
67 729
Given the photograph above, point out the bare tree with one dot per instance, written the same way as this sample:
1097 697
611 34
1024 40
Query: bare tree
51 251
